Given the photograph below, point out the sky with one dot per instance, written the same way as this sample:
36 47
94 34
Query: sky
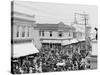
55 12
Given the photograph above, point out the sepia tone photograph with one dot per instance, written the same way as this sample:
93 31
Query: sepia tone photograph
53 37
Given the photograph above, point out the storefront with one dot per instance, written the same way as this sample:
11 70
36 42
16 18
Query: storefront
51 43
23 49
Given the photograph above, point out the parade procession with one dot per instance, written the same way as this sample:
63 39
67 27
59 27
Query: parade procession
38 47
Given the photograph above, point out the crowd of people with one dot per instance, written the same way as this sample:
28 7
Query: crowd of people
61 58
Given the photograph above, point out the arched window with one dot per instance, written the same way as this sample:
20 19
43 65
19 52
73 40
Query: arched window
74 34
28 32
17 33
60 34
42 33
50 33
23 31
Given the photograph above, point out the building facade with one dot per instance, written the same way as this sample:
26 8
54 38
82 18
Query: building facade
54 34
23 33
23 26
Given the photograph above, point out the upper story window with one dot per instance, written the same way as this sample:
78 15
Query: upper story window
41 33
74 35
23 32
17 33
28 32
60 34
50 33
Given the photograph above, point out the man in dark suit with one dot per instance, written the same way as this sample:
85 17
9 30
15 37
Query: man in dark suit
96 33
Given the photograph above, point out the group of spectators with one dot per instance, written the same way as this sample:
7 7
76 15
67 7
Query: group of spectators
53 59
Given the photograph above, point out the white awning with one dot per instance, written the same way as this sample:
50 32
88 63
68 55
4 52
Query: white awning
51 41
73 41
81 39
23 49
66 42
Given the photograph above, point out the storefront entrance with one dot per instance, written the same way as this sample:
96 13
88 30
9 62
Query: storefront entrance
52 45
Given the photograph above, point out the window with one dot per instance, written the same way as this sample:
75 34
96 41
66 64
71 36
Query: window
74 35
69 33
50 33
23 34
23 31
17 34
60 34
42 33
28 34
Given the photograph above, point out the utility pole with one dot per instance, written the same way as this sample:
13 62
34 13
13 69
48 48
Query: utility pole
86 36
82 21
